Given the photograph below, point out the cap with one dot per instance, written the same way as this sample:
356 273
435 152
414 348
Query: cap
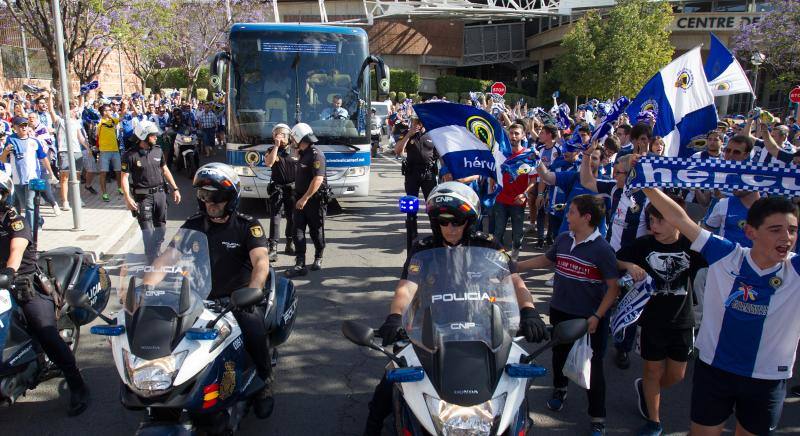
281 126
302 131
19 120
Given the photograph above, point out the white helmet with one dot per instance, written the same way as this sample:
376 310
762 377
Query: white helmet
146 128
302 131
6 186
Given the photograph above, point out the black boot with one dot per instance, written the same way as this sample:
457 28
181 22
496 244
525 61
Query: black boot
78 400
289 247
263 403
317 265
273 251
298 270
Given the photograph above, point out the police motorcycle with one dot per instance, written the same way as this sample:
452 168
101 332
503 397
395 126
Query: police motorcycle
180 356
185 145
375 134
461 371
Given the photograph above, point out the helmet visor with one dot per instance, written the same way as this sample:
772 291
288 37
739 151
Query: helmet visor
213 196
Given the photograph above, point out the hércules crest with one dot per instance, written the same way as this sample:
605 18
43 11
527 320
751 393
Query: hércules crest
482 129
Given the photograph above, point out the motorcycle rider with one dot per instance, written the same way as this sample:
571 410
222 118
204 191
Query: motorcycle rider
239 259
18 254
453 208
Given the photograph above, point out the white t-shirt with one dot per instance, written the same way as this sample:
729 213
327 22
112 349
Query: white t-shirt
75 134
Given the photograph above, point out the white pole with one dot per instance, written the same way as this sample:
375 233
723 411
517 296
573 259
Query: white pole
121 80
66 117
228 10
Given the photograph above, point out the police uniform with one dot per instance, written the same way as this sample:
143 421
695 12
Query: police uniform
420 165
311 164
39 309
147 188
281 195
229 246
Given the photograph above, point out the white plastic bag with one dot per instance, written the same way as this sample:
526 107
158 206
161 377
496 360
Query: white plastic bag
578 367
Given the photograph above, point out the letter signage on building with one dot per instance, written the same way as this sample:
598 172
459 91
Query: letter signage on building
712 21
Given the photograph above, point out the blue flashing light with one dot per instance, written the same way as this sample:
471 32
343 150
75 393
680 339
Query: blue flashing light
107 330
409 204
38 185
522 370
405 375
201 334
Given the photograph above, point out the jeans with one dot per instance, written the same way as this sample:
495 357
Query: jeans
597 384
23 201
501 213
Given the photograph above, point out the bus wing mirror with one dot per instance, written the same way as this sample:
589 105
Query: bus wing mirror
382 74
218 69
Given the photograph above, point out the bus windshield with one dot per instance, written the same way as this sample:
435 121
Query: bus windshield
272 72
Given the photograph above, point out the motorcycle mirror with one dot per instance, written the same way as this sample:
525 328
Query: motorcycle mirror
246 296
570 331
358 333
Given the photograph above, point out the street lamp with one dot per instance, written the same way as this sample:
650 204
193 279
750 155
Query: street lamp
756 59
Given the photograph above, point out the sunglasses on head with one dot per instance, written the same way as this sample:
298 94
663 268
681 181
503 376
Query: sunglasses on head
452 221
208 196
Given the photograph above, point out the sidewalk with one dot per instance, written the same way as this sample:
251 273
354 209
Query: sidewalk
103 224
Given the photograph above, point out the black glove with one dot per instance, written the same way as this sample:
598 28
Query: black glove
390 329
531 325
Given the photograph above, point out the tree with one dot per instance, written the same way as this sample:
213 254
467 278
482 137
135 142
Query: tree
89 61
776 36
86 22
615 53
144 37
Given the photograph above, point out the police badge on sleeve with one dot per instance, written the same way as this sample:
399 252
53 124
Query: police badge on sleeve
17 225
256 231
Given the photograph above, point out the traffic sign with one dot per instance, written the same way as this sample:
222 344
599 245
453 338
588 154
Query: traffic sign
794 96
499 88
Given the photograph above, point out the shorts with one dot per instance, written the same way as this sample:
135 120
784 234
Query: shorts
716 394
664 343
89 161
110 161
63 161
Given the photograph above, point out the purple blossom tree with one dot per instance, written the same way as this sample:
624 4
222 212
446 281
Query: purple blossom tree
777 35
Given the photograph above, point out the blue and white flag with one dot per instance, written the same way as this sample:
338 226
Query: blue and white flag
631 306
469 140
682 102
521 164
671 172
563 121
724 73
605 125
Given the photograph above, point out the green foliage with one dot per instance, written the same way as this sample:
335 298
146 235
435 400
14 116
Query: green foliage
612 55
392 95
202 93
401 96
402 80
177 78
445 84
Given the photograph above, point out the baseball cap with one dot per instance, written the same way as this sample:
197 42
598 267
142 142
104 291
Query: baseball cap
19 120
301 131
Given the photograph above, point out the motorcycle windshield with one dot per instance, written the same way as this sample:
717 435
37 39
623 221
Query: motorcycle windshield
461 294
180 275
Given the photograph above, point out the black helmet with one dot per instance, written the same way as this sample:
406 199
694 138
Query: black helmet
218 182
454 201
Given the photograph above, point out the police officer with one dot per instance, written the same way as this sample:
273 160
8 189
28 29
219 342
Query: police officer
310 206
281 189
419 167
144 170
239 259
453 208
18 256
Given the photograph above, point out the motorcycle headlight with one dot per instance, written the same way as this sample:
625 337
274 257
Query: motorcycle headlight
356 171
152 377
244 171
453 420
223 331
187 139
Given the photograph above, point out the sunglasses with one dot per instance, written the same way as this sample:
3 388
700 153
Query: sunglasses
207 196
457 222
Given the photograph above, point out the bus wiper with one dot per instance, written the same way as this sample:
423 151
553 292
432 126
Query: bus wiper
246 146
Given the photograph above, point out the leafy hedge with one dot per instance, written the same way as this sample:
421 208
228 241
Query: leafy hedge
447 84
177 78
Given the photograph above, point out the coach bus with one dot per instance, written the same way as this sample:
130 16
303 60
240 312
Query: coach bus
290 73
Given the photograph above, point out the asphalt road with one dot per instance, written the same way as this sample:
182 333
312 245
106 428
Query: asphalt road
323 381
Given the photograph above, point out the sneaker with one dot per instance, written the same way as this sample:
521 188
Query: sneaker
795 390
91 190
622 360
317 265
641 402
297 271
549 282
556 402
598 429
106 198
56 210
273 254
515 254
289 248
65 207
651 428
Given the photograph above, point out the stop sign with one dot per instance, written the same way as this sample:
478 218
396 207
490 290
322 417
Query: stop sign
794 96
499 88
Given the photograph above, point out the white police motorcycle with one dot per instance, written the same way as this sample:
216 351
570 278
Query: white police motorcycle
462 372
180 356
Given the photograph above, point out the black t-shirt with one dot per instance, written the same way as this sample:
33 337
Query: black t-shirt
671 266
145 170
420 151
310 165
12 225
474 239
284 169
229 245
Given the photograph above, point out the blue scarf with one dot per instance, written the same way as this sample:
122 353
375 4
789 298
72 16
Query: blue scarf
631 306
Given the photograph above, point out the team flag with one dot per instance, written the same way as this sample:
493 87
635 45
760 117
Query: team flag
724 73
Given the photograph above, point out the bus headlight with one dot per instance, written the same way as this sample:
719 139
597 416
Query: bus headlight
356 172
244 171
